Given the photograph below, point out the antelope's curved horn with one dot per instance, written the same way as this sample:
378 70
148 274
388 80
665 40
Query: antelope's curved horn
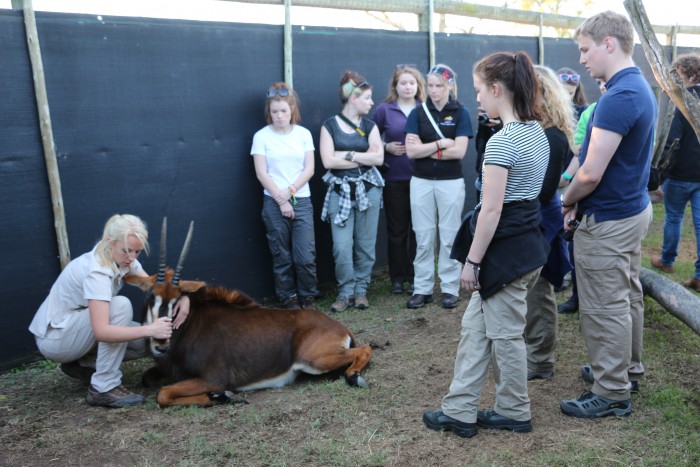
183 255
160 279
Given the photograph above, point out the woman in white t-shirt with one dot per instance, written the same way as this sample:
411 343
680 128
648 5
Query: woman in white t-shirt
87 327
283 153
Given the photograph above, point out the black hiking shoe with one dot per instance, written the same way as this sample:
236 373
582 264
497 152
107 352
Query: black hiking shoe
489 419
419 301
435 419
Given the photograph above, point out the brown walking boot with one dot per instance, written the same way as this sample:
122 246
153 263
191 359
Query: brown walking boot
114 398
656 262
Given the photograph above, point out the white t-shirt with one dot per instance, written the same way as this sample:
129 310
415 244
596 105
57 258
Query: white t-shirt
284 155
82 280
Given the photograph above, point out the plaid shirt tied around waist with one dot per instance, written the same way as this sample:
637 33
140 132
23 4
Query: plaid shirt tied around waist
371 176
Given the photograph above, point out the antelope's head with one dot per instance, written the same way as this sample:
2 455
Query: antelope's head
164 289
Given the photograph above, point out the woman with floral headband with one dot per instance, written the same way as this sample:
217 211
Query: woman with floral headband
437 134
351 149
283 153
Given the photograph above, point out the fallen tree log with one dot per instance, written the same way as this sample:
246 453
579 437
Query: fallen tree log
673 297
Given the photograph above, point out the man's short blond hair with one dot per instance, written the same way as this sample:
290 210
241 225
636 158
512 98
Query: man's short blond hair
608 24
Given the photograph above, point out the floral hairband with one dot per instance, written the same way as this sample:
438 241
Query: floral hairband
444 72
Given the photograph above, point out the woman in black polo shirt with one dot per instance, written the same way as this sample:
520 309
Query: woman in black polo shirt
437 134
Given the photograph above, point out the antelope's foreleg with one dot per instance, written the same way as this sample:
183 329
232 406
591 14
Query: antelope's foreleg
189 392
360 358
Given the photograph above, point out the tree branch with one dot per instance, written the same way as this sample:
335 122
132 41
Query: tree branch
668 78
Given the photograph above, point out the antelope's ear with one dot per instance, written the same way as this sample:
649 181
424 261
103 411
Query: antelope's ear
191 286
143 283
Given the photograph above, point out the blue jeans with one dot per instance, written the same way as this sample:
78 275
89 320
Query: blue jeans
354 245
293 248
676 197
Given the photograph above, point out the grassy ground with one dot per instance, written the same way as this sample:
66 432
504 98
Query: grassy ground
44 419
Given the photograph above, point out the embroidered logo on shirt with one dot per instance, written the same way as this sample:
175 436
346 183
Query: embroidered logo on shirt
448 121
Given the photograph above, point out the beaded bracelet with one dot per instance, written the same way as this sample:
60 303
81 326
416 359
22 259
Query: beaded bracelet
476 268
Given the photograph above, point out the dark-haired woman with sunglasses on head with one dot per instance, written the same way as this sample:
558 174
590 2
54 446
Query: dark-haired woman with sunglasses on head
283 153
437 185
406 91
351 150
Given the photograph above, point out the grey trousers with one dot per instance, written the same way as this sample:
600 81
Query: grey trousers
541 326
611 306
293 248
497 331
76 341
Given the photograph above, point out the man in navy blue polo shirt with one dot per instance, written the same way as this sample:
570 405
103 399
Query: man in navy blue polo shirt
609 192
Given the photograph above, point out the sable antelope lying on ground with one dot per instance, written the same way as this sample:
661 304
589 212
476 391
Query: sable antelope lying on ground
230 343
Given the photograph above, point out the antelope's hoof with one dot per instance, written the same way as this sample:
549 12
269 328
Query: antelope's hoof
358 380
225 397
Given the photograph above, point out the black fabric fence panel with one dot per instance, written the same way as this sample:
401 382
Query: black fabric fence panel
156 118
29 254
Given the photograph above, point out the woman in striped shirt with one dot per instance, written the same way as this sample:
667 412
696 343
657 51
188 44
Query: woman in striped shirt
505 256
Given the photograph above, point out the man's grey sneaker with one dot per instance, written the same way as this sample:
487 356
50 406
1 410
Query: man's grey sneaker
435 419
589 405
587 375
489 419
361 301
342 303
77 371
539 374
115 398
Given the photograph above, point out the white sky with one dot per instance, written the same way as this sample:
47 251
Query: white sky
660 12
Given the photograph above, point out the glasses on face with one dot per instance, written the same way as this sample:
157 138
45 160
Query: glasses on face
282 92
570 78
406 65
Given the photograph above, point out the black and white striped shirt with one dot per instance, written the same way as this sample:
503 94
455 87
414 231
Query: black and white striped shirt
522 148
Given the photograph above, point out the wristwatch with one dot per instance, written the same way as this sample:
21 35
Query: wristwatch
561 200
350 156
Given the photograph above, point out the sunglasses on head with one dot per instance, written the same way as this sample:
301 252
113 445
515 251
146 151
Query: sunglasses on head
569 78
362 84
406 65
282 92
